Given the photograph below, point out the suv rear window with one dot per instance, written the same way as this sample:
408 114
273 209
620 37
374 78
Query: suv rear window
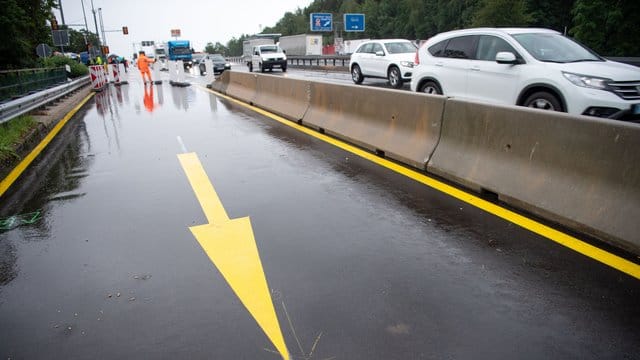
437 50
462 47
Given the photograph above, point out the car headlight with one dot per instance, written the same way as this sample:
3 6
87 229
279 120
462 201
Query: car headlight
406 63
587 81
264 59
284 58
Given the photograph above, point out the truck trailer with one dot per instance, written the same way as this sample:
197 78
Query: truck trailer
302 44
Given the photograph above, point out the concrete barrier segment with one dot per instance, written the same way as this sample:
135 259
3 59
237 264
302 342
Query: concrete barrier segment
286 97
581 172
403 126
221 83
242 86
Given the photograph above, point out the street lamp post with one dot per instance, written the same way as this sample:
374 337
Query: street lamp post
104 37
95 20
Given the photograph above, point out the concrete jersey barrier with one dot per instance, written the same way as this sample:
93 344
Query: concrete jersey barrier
581 172
286 97
221 83
405 126
242 86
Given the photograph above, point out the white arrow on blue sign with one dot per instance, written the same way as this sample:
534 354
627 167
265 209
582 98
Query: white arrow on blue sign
354 22
321 22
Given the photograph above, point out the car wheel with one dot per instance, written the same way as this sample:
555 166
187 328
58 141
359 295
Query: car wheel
250 67
356 74
262 69
544 101
284 69
395 79
431 87
202 70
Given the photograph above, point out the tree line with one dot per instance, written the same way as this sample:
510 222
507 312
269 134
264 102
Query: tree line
607 26
610 27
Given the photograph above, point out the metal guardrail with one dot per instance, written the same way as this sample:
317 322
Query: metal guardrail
28 103
343 60
15 83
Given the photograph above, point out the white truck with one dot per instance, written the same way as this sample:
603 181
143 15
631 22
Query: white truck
302 44
249 45
160 52
268 57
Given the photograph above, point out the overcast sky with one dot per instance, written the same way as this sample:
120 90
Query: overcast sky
200 21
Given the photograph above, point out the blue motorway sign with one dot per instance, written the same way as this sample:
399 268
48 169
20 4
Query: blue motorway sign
321 21
353 22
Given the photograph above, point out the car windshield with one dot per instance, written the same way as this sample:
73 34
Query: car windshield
218 58
269 49
402 47
555 48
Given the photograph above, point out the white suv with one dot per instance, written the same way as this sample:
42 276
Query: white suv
391 59
537 68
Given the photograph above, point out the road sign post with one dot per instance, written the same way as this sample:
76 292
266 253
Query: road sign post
354 22
321 22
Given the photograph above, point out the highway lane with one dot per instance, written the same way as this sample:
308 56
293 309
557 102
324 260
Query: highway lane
361 262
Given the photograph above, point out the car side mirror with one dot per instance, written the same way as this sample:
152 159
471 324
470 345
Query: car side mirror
256 53
506 57
379 53
284 51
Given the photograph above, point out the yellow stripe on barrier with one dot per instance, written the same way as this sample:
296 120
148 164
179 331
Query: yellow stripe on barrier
24 164
593 252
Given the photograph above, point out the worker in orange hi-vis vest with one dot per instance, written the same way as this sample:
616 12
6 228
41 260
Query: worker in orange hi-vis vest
143 65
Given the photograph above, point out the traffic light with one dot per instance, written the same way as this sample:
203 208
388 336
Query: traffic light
125 30
54 24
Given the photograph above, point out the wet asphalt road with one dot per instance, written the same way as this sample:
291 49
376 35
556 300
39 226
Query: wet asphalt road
362 263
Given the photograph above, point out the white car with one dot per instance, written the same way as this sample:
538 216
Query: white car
391 59
538 68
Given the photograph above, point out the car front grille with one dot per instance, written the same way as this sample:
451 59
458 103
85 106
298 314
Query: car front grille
628 90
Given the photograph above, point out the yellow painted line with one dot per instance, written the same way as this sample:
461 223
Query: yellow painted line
231 246
24 164
593 252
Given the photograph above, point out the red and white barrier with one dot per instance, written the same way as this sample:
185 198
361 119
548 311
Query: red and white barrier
97 78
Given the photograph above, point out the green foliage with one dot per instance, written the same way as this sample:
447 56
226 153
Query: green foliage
24 26
495 13
77 69
218 48
10 135
607 26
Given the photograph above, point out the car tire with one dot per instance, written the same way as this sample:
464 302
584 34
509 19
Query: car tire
431 87
284 69
250 67
394 77
201 71
356 74
262 69
543 100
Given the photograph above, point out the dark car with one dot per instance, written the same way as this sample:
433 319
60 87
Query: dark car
220 64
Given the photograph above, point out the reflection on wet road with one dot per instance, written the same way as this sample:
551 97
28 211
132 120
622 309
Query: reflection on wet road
360 262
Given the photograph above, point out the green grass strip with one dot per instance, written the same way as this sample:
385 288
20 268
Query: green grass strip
11 134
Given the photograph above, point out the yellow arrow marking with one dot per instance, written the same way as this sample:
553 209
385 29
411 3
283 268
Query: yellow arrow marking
232 248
